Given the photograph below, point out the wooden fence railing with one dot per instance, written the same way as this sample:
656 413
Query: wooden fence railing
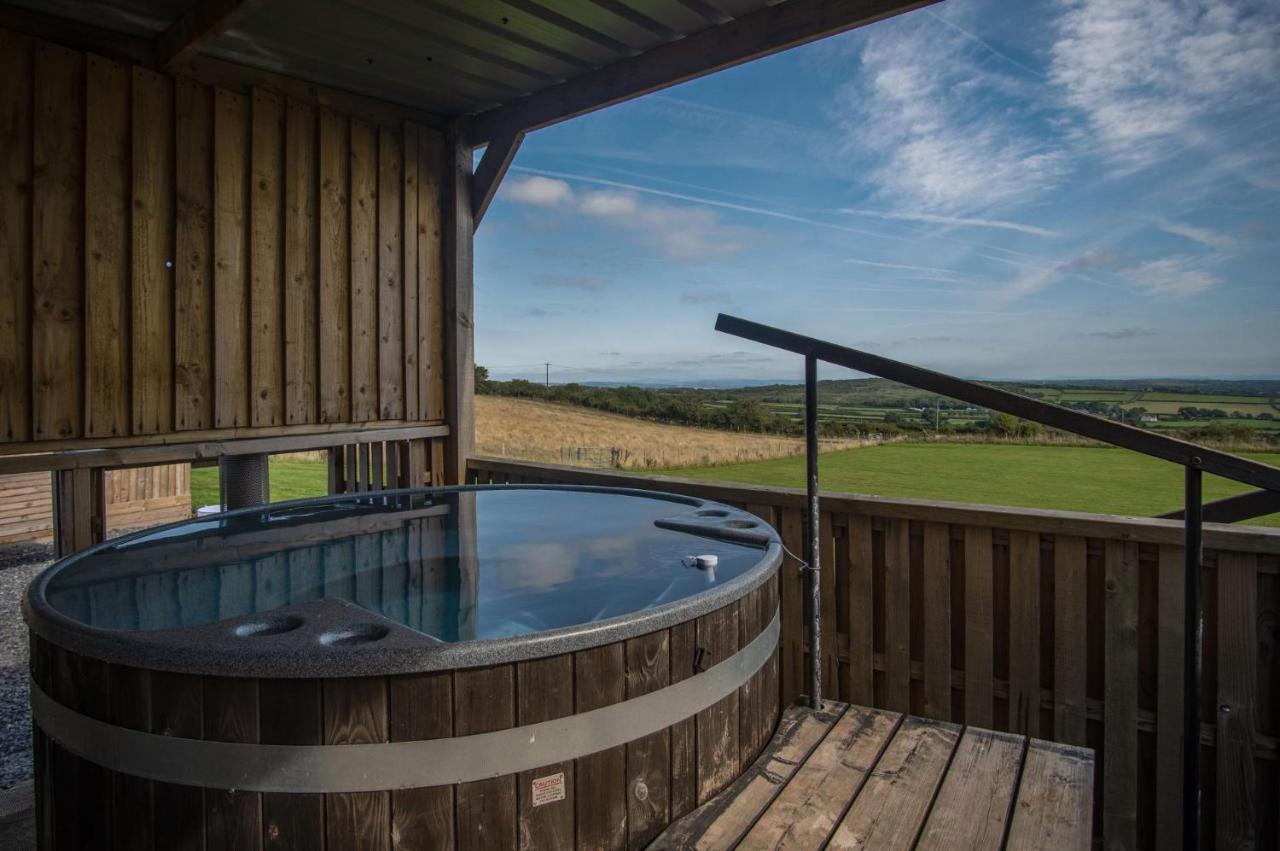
1062 625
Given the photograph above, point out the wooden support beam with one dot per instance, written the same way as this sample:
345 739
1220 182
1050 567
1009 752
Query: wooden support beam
459 299
202 23
1233 509
79 510
493 167
760 33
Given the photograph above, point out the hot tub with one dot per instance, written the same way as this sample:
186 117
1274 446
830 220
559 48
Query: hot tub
477 667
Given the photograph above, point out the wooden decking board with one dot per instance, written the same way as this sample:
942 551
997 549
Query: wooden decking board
803 815
1055 798
852 777
896 798
972 807
726 818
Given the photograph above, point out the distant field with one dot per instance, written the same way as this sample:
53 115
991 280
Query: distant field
1112 481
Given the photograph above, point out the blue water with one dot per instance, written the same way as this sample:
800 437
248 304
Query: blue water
455 566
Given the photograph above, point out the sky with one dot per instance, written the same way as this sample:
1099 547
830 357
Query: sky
1046 189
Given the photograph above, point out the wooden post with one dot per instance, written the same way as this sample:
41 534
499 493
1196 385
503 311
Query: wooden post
459 298
79 510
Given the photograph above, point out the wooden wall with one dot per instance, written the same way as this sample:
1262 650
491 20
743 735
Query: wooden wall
179 258
1059 625
139 496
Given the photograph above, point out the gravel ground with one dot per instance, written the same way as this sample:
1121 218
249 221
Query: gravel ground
19 563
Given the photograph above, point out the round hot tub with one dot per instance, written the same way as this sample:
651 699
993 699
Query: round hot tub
475 667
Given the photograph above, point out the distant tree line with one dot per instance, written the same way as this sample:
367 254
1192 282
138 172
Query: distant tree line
737 412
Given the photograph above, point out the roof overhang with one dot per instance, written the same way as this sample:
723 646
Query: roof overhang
510 66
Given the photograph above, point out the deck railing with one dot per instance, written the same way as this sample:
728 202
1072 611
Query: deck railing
1063 625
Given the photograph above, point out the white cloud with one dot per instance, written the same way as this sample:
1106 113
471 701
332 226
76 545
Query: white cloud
945 129
1148 76
609 203
1204 236
540 191
960 221
1172 276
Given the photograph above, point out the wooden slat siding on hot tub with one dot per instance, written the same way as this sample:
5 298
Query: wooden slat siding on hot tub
618 798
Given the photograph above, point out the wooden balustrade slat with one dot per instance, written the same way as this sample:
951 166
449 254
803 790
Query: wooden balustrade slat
1024 632
1120 742
937 621
1070 648
1237 819
1170 697
897 615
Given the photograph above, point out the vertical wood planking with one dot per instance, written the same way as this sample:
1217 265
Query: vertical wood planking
718 724
106 234
1170 696
830 666
937 621
291 715
897 615
57 255
979 626
430 277
177 710
422 708
1024 632
230 273
1120 722
791 642
545 692
648 760
484 701
16 78
130 696
600 680
390 276
233 819
861 620
364 271
409 198
355 712
193 257
684 769
1070 647
1237 775
335 269
266 260
151 332
301 286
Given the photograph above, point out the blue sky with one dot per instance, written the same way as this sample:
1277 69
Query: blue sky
1035 190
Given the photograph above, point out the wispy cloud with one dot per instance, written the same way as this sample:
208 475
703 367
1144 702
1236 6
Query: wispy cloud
1119 334
944 143
1148 77
571 282
1204 236
959 221
1173 277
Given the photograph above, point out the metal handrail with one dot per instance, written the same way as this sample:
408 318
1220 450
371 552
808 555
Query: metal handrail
1195 459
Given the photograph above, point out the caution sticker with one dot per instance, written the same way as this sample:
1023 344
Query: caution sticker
549 789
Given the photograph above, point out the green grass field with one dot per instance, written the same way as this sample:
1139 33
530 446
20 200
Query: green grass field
290 479
1111 481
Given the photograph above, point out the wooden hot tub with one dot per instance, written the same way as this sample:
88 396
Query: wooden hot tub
490 667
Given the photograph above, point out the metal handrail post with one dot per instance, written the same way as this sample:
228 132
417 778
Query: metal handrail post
813 545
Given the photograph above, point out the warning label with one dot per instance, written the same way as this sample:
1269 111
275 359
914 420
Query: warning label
549 789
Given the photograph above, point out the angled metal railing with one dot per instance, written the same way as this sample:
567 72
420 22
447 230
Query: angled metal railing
1196 460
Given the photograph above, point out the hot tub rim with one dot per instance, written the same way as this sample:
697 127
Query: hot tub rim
164 650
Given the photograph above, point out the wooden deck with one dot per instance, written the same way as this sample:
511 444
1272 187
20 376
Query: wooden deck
851 777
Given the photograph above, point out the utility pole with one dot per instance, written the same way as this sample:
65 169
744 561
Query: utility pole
548 365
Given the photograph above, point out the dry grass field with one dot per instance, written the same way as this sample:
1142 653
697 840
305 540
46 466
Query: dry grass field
560 434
